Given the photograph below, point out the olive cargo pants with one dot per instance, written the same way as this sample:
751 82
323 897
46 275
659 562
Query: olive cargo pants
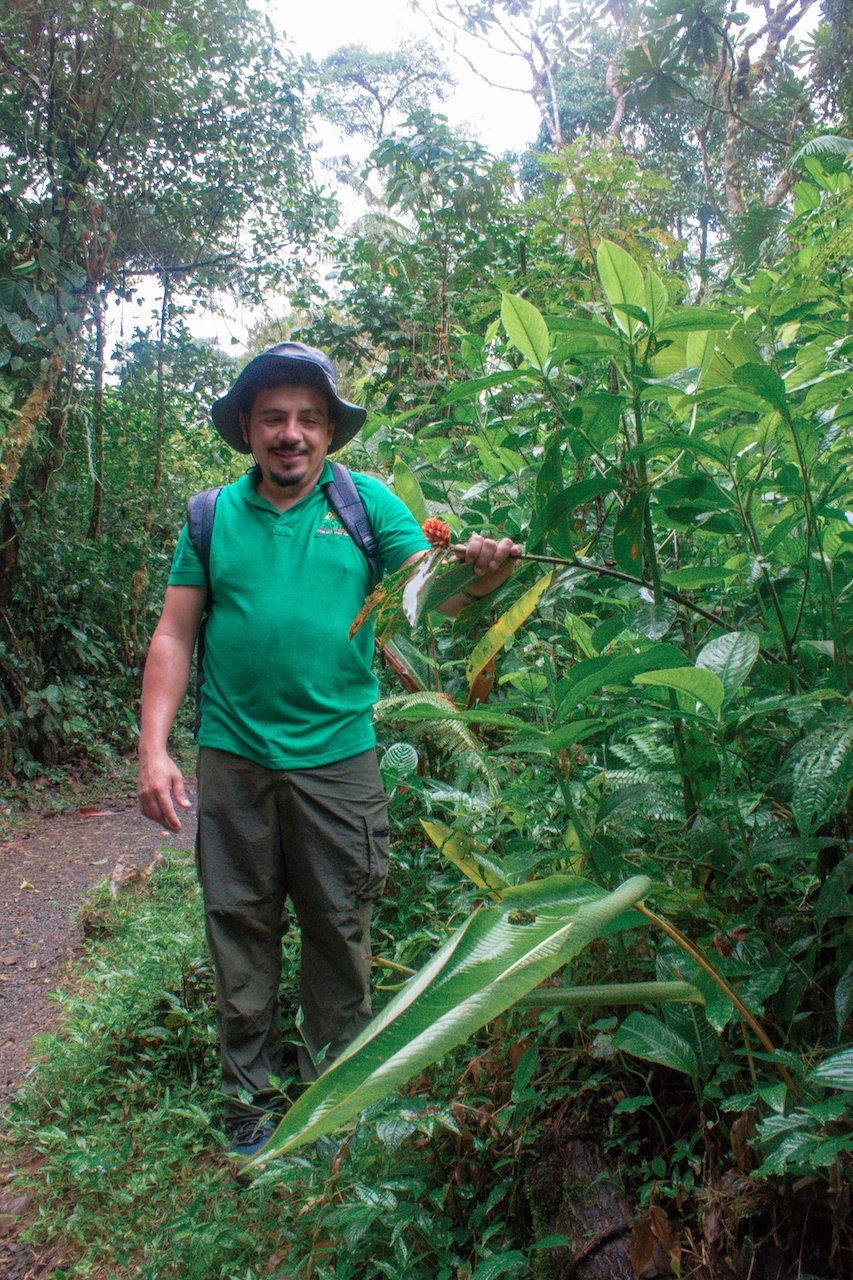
319 837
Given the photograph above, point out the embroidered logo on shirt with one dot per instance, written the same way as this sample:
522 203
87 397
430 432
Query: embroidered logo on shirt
330 524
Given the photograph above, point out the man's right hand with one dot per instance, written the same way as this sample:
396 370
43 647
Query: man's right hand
164 683
160 787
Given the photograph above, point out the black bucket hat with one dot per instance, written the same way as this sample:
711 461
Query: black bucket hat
294 363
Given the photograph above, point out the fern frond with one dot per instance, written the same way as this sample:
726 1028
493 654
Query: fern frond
826 144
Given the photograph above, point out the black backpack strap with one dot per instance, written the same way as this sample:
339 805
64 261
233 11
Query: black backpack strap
201 510
345 501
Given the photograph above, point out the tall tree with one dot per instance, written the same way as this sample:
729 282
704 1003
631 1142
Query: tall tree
701 82
135 139
366 94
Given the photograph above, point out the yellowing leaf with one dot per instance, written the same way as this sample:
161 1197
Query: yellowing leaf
697 683
497 636
462 851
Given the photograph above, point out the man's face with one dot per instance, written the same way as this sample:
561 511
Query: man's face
289 434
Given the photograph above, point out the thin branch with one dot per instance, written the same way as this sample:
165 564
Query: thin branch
606 572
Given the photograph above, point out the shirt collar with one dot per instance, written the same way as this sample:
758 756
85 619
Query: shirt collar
248 492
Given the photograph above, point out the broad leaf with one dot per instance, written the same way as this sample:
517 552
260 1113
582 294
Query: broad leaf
557 512
692 578
655 299
408 489
704 686
701 344
402 597
764 382
628 534
471 389
526 329
695 319
599 672
506 626
731 657
646 1037
622 281
497 956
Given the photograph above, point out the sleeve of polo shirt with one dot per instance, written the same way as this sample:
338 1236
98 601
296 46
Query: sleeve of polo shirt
397 531
187 570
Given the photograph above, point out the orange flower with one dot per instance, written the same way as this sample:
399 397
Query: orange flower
436 532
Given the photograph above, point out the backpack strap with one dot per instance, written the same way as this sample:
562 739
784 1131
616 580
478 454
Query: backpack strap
345 501
201 510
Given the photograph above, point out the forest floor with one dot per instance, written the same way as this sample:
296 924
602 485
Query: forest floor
47 869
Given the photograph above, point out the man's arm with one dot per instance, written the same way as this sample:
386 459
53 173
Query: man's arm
167 673
492 562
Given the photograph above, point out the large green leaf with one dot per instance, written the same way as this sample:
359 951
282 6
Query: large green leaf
731 657
704 686
764 382
646 1037
497 956
549 483
471 389
408 489
655 299
628 534
599 672
695 319
556 513
622 281
497 636
526 329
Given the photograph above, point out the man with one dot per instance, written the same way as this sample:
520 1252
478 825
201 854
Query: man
290 799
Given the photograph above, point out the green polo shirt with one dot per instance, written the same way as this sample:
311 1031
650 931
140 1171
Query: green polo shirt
283 684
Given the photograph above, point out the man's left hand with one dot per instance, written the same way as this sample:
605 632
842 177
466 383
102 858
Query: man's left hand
492 561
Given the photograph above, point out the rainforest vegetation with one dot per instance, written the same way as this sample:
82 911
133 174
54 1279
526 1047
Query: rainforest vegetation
623 868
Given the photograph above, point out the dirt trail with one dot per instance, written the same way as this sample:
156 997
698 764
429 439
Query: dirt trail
44 878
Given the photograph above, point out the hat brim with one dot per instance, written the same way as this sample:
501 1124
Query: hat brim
267 371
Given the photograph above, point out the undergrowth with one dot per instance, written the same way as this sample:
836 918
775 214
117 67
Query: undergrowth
120 1123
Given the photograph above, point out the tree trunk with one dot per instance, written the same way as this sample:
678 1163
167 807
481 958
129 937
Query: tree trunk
140 577
94 530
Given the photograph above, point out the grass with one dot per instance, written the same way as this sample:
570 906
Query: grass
120 1123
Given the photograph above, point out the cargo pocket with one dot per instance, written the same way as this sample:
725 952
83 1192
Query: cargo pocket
378 846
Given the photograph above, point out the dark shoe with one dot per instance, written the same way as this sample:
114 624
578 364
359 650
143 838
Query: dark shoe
327 1150
250 1136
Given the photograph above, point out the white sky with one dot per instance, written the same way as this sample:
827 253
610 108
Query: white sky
501 120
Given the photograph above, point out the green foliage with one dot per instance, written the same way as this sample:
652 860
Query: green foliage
674 701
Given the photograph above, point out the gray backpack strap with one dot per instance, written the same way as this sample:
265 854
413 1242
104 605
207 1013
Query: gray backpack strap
201 510
345 501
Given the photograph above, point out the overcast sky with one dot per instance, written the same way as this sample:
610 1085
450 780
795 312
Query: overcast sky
501 120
